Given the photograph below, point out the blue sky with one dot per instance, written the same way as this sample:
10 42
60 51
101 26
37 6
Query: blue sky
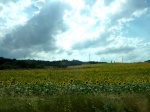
73 29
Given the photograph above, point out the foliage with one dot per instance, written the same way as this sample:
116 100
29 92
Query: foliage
76 103
97 87
6 63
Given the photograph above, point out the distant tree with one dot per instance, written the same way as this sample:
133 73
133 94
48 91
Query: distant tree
6 65
62 65
147 61
59 64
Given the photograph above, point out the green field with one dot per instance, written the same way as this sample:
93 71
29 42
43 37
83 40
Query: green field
89 88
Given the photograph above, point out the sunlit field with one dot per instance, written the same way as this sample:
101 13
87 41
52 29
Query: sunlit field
90 87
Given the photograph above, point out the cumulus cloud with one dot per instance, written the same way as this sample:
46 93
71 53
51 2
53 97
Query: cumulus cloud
116 49
8 1
90 2
102 40
75 28
38 33
113 24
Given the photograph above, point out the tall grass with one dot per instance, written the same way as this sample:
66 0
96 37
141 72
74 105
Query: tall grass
77 103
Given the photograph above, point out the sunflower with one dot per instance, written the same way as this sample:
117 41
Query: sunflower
71 80
63 84
97 82
1 82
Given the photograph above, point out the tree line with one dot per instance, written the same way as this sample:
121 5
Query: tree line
7 63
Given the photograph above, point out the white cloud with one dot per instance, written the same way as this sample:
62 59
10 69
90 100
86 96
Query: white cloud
88 26
12 15
111 20
37 35
139 13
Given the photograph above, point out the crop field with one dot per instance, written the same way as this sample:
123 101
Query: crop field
89 87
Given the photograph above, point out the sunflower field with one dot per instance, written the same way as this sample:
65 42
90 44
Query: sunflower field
88 79
84 79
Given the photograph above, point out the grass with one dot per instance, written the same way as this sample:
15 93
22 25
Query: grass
86 88
77 103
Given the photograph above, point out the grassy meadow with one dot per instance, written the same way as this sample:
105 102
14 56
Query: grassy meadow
113 87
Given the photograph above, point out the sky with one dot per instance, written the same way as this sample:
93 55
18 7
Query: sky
95 30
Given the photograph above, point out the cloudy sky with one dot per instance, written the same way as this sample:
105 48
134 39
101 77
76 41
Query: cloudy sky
74 29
